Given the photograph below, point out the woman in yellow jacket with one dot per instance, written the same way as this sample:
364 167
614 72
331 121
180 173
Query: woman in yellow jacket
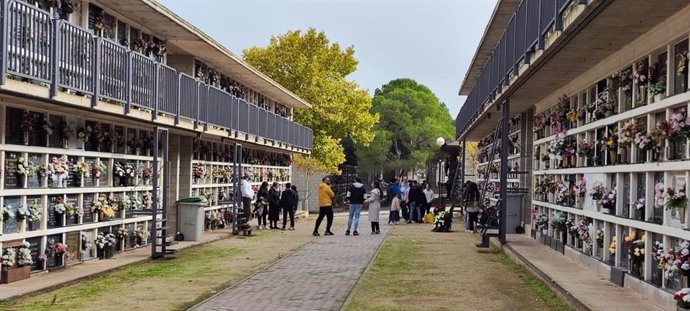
325 206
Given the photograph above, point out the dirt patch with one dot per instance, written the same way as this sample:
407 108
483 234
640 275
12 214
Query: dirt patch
421 270
195 274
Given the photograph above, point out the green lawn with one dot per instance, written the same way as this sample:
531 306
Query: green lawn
421 270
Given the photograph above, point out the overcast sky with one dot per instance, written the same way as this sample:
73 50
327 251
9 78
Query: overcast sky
431 41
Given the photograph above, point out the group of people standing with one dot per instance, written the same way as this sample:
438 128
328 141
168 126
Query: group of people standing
357 196
270 202
410 198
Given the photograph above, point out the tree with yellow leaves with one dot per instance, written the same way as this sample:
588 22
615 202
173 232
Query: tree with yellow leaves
315 70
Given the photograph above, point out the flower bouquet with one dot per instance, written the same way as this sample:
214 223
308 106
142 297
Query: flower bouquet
597 192
97 170
9 258
105 243
442 222
585 149
147 173
682 299
608 201
35 211
22 213
122 234
25 255
635 249
198 172
676 201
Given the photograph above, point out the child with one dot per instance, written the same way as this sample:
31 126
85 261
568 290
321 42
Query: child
395 194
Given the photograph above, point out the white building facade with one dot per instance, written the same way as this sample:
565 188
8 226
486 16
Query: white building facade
83 85
597 94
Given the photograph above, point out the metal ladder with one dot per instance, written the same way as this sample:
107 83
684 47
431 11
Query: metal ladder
489 226
158 227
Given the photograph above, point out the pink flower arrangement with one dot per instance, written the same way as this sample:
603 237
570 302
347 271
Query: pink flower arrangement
580 188
147 172
60 248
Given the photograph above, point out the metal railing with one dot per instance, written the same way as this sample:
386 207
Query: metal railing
524 34
63 56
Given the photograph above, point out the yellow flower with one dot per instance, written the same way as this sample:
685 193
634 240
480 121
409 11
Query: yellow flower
108 212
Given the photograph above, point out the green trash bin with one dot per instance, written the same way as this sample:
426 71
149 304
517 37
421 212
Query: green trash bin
190 217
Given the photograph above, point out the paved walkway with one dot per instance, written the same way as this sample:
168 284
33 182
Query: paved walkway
319 276
585 285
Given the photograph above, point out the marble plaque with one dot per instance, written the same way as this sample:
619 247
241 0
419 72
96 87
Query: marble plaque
12 205
10 173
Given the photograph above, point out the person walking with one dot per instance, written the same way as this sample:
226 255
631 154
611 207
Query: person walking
247 195
273 206
287 203
262 205
394 195
470 198
374 201
326 196
429 194
356 197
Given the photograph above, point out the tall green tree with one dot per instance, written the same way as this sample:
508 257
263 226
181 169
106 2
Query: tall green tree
314 69
411 119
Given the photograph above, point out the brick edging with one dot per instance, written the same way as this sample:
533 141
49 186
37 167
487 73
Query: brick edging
556 288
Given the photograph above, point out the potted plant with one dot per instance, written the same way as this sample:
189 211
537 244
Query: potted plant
682 299
658 90
59 170
16 266
80 170
146 174
105 243
608 201
59 250
443 221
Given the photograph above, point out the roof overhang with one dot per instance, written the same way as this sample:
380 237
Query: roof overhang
503 11
190 40
607 27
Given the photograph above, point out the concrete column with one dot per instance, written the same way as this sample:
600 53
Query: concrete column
180 156
181 63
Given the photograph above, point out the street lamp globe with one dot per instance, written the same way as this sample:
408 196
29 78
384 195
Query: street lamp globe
440 141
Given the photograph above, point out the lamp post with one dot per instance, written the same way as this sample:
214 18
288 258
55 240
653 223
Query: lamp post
440 141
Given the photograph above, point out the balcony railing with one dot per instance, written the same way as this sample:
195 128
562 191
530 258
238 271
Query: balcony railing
525 34
66 57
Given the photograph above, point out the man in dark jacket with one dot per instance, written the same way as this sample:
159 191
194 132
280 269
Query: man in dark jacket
287 203
417 200
356 197
273 206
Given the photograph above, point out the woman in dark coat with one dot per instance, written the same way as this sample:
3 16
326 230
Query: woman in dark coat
273 206
262 205
470 199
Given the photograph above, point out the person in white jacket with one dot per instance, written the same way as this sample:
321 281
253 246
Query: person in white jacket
374 201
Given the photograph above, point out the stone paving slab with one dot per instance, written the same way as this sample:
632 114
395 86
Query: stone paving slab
583 283
318 277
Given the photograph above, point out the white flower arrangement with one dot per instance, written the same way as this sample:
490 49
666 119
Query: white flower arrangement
105 240
24 167
7 213
60 208
25 255
22 213
9 257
